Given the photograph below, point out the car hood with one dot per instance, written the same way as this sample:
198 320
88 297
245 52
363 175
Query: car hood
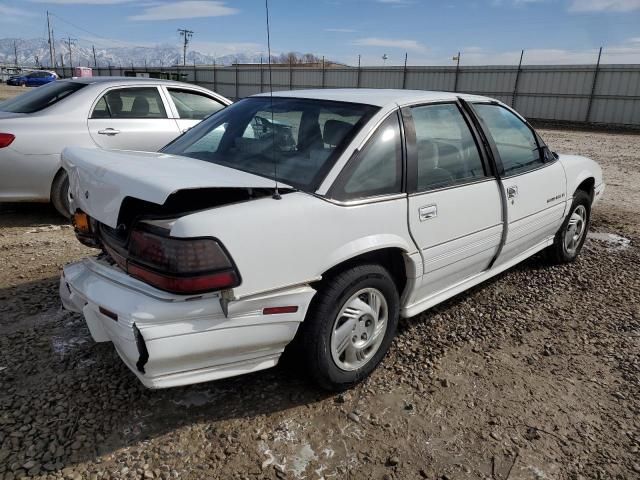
101 179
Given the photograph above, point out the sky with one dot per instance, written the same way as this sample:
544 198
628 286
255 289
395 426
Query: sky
430 32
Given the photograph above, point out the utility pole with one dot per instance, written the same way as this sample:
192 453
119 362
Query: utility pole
62 62
53 43
71 41
37 61
95 61
15 52
186 35
49 31
457 60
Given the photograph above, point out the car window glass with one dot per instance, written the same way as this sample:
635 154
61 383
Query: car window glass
514 140
194 105
295 139
378 168
100 110
41 97
143 102
447 152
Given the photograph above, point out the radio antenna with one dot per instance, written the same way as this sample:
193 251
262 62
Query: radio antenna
276 193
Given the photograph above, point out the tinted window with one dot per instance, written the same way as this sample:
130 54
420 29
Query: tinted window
143 102
40 98
447 152
515 141
194 105
378 168
297 138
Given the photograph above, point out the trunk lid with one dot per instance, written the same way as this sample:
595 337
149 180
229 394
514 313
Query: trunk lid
101 179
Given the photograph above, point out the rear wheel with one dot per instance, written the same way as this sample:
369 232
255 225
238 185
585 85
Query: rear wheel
350 326
573 232
60 194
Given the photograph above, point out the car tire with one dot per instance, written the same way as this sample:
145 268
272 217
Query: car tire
572 234
60 194
327 322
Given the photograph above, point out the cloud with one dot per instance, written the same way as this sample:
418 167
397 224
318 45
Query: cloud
340 30
604 5
13 14
184 9
390 43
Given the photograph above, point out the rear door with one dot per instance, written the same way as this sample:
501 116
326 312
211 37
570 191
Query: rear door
534 182
132 118
455 210
191 106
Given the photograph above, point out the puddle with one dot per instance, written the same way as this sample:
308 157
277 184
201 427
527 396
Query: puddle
612 241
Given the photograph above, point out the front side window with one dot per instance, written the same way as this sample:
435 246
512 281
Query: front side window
516 143
143 102
194 105
41 98
377 170
447 152
294 140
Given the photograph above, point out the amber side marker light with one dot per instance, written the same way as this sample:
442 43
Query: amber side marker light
80 222
278 310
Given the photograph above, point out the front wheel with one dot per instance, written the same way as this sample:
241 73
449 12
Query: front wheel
350 326
573 232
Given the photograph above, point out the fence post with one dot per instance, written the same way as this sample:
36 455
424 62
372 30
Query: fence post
261 77
515 83
236 80
110 70
195 72
358 78
455 83
215 86
323 71
290 75
593 86
404 72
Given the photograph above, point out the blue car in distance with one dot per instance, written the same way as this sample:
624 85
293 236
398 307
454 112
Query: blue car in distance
32 79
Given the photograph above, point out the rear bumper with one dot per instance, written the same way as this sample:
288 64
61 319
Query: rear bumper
180 341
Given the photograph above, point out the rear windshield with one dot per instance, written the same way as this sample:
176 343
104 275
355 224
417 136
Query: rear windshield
41 97
294 140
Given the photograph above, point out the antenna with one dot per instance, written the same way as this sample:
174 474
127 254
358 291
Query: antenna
276 193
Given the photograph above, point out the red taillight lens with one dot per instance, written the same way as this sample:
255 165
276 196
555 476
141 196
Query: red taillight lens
6 139
180 265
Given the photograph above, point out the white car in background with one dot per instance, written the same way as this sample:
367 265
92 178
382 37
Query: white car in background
107 112
388 202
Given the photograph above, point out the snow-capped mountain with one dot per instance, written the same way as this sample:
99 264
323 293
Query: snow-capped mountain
36 51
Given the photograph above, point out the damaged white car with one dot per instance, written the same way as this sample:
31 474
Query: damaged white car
313 217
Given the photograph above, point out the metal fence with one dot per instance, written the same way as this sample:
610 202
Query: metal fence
599 94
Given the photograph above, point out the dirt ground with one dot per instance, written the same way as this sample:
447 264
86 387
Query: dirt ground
8 91
533 375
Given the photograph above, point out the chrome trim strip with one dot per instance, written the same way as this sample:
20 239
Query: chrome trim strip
362 201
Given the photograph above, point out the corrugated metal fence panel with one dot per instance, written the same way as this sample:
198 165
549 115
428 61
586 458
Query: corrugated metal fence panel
561 92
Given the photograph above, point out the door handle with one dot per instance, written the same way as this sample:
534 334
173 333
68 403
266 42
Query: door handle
109 131
427 212
512 191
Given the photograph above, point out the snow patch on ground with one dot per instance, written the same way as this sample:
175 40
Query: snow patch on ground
612 240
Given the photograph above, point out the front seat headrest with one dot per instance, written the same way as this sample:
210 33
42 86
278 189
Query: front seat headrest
335 131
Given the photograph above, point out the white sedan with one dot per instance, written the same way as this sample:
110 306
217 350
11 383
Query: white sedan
107 112
387 203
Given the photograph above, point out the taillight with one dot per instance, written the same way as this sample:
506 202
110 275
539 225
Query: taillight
6 139
180 265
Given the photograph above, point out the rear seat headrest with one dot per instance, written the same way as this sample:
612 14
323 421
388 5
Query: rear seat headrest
335 131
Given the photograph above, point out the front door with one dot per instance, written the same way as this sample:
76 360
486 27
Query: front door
455 213
132 118
534 184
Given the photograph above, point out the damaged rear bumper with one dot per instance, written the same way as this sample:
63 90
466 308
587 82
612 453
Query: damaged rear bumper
167 340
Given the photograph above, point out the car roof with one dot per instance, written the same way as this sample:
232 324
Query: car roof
121 80
380 97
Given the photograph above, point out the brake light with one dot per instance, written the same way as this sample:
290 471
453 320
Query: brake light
180 265
6 139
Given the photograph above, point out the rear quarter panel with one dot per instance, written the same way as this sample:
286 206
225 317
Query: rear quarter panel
278 243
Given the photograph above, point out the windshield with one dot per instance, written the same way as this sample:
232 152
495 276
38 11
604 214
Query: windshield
296 141
41 97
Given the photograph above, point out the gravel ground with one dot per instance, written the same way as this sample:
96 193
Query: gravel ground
533 375
8 91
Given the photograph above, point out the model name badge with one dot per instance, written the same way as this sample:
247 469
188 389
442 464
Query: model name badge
553 199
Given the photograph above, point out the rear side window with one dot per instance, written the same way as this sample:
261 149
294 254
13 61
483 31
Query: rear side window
143 102
377 170
514 140
447 152
194 105
41 97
